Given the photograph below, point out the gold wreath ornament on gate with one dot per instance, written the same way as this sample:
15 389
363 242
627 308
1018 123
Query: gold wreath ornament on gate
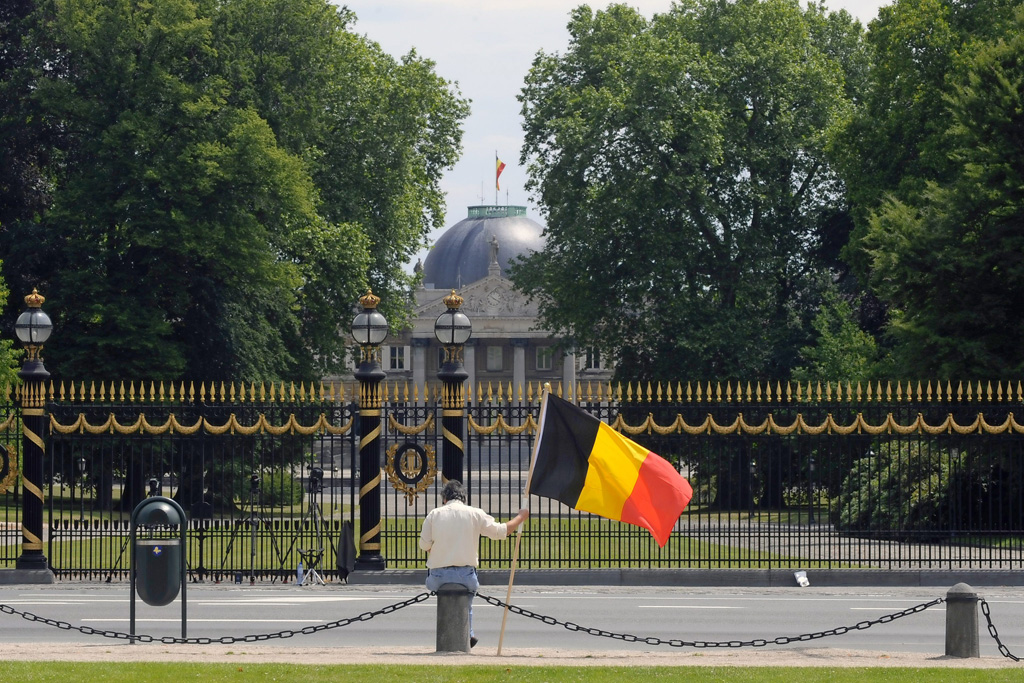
413 470
8 468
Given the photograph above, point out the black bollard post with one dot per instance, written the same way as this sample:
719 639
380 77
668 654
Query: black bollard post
453 618
962 622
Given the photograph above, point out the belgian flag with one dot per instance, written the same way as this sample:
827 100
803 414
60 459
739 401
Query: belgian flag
584 463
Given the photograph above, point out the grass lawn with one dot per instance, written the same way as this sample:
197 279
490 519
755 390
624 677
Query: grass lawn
69 672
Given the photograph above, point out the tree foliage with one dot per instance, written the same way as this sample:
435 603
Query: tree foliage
681 165
948 259
8 355
202 222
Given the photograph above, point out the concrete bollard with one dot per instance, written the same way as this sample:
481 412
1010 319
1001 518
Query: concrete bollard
453 618
962 622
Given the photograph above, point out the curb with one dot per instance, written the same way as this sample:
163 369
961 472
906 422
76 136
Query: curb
749 578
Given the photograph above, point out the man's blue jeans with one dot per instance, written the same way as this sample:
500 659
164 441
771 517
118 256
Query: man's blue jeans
465 576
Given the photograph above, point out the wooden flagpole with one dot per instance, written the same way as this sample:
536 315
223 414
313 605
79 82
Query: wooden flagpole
526 503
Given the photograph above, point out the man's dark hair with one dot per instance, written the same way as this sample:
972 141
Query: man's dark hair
453 490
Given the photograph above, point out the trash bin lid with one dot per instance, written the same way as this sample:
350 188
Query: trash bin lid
156 512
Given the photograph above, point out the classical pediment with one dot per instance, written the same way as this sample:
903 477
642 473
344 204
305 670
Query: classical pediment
492 297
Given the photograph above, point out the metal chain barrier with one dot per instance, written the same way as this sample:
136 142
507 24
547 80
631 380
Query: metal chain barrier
1003 650
551 621
227 640
760 642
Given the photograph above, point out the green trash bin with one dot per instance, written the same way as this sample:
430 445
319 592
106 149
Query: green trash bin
157 551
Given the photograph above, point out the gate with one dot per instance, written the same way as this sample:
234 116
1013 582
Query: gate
265 475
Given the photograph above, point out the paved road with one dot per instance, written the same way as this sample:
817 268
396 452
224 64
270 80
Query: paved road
706 614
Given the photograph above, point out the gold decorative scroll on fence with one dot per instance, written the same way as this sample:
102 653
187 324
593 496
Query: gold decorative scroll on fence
770 426
232 426
395 426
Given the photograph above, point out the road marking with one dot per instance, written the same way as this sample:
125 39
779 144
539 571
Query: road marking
893 609
687 607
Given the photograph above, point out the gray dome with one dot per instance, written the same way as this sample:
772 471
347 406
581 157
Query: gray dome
462 254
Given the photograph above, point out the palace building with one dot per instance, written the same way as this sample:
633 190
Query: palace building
506 348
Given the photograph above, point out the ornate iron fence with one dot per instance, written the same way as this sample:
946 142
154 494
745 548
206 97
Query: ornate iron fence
784 475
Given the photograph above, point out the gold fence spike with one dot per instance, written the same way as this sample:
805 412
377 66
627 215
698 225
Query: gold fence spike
728 391
689 392
960 390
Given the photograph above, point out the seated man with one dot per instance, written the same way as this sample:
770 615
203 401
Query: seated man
451 536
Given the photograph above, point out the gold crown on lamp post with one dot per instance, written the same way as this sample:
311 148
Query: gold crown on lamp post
369 300
35 299
453 300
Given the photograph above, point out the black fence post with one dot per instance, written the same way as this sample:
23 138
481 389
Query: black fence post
33 328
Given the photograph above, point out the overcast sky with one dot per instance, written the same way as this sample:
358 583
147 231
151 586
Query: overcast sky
486 47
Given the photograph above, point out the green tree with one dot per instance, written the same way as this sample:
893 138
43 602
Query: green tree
948 259
205 216
681 166
8 355
894 143
842 351
375 134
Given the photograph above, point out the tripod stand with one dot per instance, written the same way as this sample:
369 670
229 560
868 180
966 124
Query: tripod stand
314 519
254 521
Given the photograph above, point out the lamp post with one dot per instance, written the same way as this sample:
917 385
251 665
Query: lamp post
33 328
369 329
452 329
